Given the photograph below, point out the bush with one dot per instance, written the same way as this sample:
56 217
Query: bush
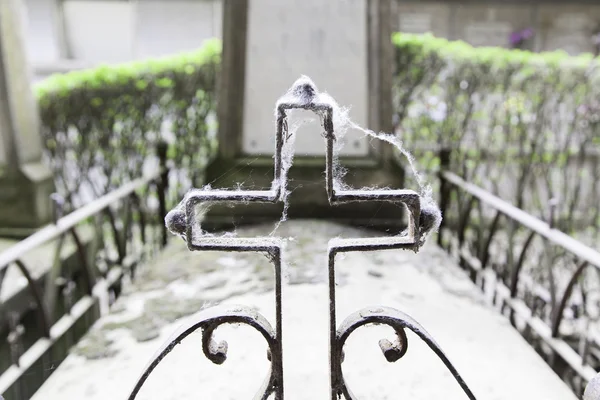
102 125
524 125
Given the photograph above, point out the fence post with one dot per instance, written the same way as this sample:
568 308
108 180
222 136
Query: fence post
162 186
444 155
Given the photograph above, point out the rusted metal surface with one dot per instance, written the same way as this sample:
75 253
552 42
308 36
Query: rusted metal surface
185 221
537 304
61 295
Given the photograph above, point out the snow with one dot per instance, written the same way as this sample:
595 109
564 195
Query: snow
491 356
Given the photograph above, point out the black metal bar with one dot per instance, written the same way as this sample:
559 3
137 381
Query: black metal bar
463 219
557 313
118 240
277 359
444 192
127 215
142 216
334 373
15 339
162 187
515 273
50 290
485 253
88 272
44 317
2 275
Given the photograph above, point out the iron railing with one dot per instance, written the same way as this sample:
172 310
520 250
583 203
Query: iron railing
185 221
544 280
65 291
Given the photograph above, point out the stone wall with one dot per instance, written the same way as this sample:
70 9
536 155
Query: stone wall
567 26
72 34
144 28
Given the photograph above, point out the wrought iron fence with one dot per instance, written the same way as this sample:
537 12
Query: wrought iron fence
544 280
57 282
185 221
523 126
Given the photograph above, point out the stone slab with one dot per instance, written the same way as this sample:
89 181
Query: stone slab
88 35
166 27
492 357
304 37
25 199
44 37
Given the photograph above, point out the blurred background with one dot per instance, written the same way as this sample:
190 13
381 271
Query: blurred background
65 34
112 110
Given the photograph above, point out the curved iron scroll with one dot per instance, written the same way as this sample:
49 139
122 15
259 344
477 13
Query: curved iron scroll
380 315
208 321
392 351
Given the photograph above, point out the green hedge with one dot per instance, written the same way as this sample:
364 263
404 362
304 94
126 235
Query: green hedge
100 125
525 125
511 116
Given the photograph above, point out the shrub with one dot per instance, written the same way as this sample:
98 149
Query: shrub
102 125
524 125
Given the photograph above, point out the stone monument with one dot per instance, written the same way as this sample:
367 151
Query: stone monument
25 182
345 47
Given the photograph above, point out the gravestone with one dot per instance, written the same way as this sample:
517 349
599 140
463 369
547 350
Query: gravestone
45 34
166 27
345 47
100 31
25 182
324 40
45 39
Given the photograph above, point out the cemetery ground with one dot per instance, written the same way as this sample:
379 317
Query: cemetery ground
492 357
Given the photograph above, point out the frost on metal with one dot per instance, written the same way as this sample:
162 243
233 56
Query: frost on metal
423 217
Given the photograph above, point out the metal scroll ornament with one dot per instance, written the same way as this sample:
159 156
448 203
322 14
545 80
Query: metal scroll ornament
185 221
